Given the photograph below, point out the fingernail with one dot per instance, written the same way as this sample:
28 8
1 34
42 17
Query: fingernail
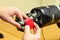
27 25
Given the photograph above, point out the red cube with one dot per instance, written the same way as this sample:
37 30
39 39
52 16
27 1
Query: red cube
30 22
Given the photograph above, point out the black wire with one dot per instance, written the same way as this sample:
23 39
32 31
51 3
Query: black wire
42 33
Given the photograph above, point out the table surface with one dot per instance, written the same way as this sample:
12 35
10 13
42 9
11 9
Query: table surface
51 32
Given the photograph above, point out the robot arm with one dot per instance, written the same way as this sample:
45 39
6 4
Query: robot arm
46 15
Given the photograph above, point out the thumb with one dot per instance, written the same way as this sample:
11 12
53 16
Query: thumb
27 29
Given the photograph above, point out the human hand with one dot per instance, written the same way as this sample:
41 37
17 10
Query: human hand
7 13
29 36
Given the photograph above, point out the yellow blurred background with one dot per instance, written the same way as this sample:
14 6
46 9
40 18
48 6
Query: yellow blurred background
51 32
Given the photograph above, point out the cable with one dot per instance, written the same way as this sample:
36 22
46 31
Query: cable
42 33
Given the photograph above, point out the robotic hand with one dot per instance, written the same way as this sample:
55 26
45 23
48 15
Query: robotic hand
45 15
